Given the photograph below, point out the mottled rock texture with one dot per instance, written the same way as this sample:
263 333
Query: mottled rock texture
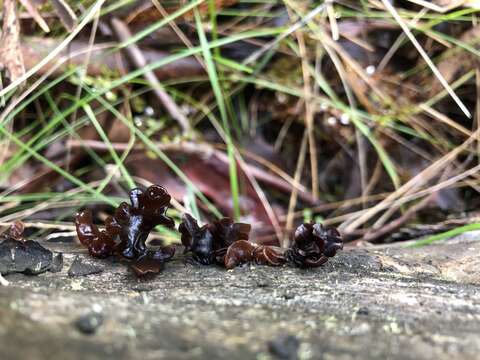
375 303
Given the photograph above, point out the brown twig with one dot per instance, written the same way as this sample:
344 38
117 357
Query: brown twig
123 33
293 198
205 150
10 55
395 224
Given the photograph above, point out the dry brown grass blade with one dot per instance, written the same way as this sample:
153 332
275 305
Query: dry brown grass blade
448 4
11 58
32 10
282 181
293 197
309 109
391 9
123 33
65 13
55 52
415 183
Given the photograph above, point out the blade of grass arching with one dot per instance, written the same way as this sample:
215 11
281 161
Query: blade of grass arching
167 60
442 94
151 146
116 5
445 235
21 156
155 26
382 154
212 73
56 168
106 140
7 117
71 130
233 64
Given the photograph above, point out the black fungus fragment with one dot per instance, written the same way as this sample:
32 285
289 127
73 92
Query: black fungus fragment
20 255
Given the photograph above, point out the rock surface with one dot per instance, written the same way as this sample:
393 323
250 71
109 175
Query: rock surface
375 303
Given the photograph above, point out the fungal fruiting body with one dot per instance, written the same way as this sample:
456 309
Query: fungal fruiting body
312 245
243 251
208 244
223 242
127 231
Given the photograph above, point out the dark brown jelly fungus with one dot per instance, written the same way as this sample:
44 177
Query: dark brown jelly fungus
208 244
16 231
313 244
269 255
127 231
100 243
244 251
197 240
239 253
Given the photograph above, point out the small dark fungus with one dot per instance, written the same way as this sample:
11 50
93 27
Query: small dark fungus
197 240
313 244
208 244
127 231
269 255
100 243
18 254
147 210
146 265
239 253
245 251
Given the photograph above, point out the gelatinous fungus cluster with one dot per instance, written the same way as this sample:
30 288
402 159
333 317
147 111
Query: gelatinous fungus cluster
222 242
208 244
127 230
17 254
313 244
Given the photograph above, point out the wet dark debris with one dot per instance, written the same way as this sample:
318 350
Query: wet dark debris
19 255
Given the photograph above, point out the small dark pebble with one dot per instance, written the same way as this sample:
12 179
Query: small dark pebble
89 323
143 287
81 268
57 263
284 347
287 295
363 311
28 257
262 283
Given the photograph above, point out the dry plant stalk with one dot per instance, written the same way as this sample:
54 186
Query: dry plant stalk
123 33
11 58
